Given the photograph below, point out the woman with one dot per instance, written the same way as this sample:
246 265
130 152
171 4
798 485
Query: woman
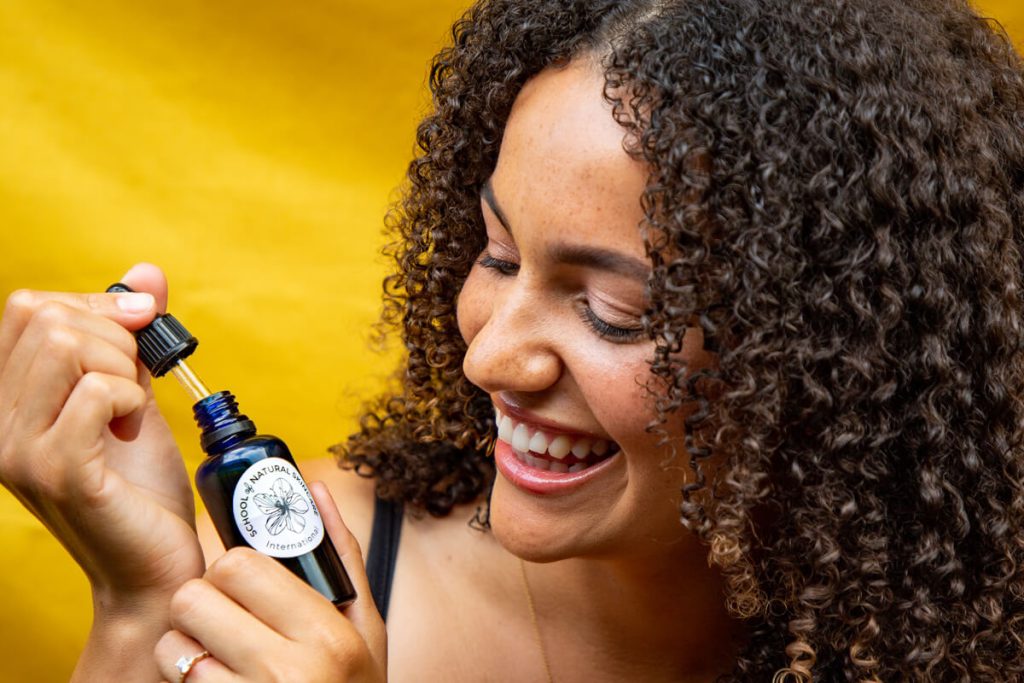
752 266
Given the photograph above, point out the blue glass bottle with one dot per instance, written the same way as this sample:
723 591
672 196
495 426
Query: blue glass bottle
255 496
249 483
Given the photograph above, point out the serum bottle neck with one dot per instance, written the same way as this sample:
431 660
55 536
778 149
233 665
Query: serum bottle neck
221 422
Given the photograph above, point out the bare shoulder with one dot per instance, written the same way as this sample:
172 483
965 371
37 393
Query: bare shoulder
352 493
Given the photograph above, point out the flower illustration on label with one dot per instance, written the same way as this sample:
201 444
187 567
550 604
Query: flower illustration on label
283 507
274 510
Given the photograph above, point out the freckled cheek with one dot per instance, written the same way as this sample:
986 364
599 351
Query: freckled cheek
626 414
621 403
630 408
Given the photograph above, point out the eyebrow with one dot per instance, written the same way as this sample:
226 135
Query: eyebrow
576 254
487 192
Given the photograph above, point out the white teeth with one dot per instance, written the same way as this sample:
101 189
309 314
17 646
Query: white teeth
521 438
581 448
505 429
559 447
539 442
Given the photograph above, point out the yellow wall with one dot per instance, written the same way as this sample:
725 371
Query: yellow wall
248 148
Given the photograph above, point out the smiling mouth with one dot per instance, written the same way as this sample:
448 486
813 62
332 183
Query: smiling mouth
550 451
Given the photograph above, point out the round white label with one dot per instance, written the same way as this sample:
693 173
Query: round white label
274 510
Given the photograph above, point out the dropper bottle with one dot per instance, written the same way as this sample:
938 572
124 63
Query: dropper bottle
249 482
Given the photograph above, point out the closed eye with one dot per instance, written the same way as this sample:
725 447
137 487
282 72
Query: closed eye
609 332
503 267
600 327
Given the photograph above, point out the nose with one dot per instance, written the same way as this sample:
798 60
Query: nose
511 338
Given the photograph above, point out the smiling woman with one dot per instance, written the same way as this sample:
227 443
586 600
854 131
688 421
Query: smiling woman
714 371
552 317
841 239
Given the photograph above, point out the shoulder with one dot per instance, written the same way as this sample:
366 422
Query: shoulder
353 495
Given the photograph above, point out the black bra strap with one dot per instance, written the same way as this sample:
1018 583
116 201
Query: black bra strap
380 560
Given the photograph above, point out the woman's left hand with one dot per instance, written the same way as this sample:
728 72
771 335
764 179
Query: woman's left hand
260 622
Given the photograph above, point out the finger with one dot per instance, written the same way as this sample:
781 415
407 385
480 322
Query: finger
130 310
50 324
145 277
96 400
270 592
174 645
35 394
363 612
233 635
128 427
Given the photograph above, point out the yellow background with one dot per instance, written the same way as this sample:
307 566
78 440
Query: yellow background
251 150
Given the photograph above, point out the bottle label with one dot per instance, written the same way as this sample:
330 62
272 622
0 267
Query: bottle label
274 510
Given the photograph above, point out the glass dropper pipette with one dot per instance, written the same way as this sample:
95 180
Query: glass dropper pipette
189 380
164 345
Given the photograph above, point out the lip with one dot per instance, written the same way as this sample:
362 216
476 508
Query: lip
544 482
521 415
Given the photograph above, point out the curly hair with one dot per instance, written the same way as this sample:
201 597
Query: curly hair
836 198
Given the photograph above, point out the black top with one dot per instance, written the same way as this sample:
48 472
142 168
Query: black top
380 559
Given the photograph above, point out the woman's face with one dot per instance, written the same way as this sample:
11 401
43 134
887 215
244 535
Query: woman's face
551 315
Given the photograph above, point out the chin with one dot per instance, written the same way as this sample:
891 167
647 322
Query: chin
539 533
537 548
609 526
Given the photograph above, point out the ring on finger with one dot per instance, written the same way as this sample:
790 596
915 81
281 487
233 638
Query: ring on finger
185 664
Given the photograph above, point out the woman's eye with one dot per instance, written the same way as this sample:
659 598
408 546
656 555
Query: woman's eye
613 333
503 267
605 330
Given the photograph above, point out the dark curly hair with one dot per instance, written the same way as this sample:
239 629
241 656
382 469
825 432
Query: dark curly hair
836 197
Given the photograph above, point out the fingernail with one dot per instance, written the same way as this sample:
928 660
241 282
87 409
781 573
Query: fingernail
136 302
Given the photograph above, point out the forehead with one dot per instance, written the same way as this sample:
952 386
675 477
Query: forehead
562 158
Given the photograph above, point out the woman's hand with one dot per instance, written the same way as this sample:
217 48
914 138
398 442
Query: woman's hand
83 446
259 622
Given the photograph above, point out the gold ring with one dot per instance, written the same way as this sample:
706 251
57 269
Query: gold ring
185 664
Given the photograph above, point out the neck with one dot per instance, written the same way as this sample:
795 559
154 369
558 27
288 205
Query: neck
658 613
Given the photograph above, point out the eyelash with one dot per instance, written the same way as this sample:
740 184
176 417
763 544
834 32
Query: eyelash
503 267
601 328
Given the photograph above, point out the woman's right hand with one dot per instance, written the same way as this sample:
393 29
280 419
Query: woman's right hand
83 445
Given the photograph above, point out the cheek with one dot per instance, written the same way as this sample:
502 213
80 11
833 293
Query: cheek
615 389
622 392
634 410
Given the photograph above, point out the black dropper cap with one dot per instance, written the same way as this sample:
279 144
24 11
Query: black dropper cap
163 342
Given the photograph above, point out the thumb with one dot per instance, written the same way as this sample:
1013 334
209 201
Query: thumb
363 612
145 277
